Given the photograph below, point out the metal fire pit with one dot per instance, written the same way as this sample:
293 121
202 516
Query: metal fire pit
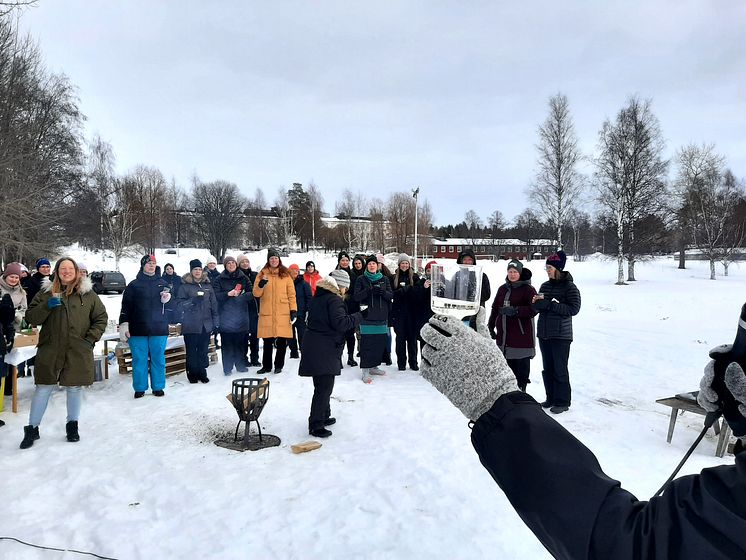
249 395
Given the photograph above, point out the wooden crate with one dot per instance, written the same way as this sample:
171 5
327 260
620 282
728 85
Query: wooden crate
175 359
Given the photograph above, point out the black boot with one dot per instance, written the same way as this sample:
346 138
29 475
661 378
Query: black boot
351 361
30 435
72 431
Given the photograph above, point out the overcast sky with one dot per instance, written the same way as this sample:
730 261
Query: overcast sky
380 97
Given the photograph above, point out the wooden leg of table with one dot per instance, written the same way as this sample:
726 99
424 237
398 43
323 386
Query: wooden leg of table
14 375
671 424
723 440
716 427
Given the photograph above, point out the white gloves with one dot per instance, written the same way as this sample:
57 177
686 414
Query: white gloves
124 332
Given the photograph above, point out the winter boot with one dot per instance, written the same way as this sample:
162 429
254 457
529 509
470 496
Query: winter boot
72 431
30 435
559 409
546 404
329 421
366 375
139 394
351 361
320 432
159 393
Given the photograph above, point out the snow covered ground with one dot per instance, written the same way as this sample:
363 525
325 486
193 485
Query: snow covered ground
398 479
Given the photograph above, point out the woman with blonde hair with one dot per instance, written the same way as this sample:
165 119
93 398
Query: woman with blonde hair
73 319
277 310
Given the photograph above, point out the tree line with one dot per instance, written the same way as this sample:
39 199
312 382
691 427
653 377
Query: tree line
626 206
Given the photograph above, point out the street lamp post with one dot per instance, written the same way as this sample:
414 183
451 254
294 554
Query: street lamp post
415 193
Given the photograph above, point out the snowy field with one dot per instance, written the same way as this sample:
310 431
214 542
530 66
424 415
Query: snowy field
398 479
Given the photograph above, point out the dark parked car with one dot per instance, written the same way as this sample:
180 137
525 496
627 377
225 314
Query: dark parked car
108 281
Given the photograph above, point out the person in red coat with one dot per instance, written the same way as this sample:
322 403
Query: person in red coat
511 322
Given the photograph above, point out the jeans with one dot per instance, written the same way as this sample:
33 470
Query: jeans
41 399
142 347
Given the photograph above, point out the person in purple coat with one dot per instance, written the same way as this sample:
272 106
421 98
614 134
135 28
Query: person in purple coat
511 322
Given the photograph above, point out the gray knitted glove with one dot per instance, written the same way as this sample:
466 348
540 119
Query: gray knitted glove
466 366
735 383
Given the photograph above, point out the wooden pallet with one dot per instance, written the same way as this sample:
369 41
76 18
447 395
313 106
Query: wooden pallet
175 360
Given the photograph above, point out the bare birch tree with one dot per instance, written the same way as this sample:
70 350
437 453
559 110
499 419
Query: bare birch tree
558 184
219 207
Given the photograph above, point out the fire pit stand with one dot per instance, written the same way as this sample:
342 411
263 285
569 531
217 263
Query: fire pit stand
249 395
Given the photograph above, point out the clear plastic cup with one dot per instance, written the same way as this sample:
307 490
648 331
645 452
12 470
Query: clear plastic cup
455 289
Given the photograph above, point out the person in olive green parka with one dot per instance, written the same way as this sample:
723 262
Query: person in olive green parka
73 319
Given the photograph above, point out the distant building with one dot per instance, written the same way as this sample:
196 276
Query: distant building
493 249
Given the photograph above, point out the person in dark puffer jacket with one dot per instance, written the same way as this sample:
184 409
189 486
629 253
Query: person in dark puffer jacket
233 294
251 343
303 300
323 344
557 302
143 322
174 283
199 309
511 322
404 314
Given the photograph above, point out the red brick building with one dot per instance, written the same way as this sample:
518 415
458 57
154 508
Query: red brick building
493 249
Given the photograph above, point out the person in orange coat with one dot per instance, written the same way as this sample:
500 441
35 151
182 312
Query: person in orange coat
277 310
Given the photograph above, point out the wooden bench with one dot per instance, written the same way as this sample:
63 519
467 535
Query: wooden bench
175 357
690 405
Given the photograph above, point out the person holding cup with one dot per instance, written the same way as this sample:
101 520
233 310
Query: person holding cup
143 323
199 309
233 295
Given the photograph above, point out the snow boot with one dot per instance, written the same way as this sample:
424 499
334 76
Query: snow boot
329 421
546 404
139 394
72 431
159 393
320 432
30 435
559 409
351 361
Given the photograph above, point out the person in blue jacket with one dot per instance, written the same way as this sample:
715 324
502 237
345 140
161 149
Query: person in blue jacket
556 484
143 323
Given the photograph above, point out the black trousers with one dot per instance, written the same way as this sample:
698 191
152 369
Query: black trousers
350 341
323 385
555 354
406 344
269 343
296 343
521 368
197 360
232 351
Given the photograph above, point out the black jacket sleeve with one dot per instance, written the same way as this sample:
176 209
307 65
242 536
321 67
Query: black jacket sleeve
558 488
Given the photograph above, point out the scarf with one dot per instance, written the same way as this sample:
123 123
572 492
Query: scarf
373 277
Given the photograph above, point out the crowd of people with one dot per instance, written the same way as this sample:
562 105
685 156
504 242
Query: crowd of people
276 305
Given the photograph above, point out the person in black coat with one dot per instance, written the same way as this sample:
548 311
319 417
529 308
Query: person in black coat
322 347
302 299
7 333
557 302
557 485
199 309
343 263
143 323
373 290
422 305
251 344
174 282
233 295
32 284
404 313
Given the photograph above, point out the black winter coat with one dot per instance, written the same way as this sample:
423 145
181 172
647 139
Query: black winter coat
174 282
253 302
561 302
197 311
142 307
379 304
233 310
558 489
32 285
302 296
328 321
404 316
212 274
423 311
7 331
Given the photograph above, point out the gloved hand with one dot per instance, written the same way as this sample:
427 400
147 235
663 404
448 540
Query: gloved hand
10 339
293 317
364 311
54 301
165 297
541 304
464 365
730 396
124 332
508 311
376 289
263 282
